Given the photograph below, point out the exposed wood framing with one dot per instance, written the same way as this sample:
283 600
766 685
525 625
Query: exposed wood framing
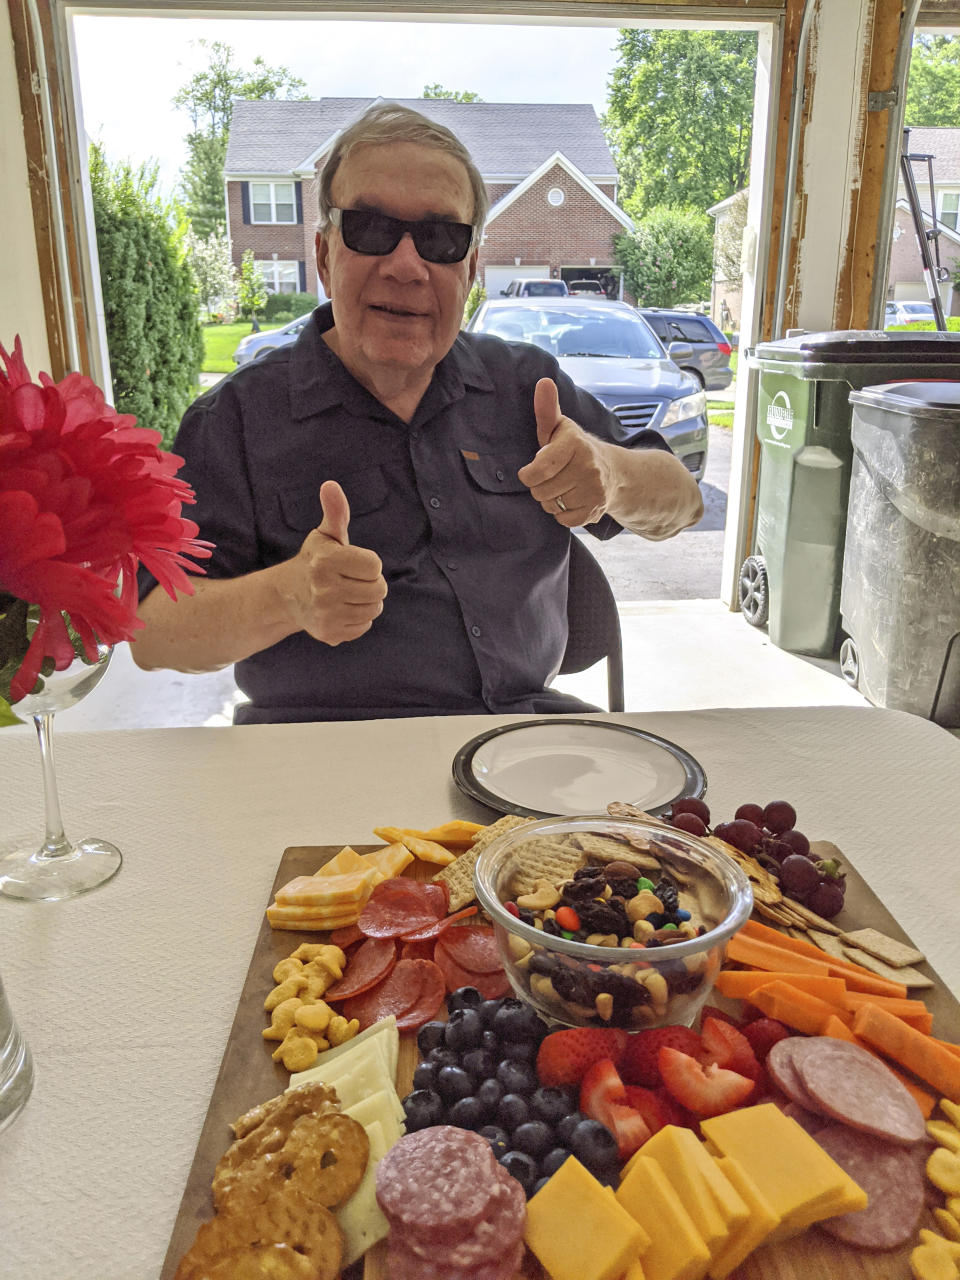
939 13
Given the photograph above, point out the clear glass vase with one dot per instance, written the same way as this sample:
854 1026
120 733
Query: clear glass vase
16 1066
61 868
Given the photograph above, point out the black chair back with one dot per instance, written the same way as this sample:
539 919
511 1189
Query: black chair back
593 622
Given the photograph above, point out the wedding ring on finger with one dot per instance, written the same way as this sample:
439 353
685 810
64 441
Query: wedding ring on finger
561 505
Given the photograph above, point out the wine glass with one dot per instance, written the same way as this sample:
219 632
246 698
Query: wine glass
60 868
16 1066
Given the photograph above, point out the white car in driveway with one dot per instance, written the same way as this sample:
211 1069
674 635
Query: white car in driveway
908 313
255 345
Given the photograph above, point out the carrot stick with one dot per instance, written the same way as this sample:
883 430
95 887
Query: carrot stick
834 1028
796 1008
951 1048
742 949
868 981
919 1053
912 1011
737 984
858 979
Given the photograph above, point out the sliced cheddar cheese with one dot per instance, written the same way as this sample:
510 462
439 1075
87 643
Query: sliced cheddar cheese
759 1225
392 859
345 861
676 1250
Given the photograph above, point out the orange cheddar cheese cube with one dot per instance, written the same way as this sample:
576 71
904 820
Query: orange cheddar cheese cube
345 861
329 891
555 1228
391 860
757 1228
678 1156
676 1250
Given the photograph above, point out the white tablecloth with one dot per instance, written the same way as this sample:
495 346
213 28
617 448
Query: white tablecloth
126 996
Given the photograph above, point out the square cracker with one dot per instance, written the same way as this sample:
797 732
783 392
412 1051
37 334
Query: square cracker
543 859
889 950
906 976
458 876
828 943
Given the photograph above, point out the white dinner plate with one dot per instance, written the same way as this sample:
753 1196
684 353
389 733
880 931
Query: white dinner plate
560 767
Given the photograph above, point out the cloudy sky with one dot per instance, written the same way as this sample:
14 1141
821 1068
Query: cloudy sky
130 68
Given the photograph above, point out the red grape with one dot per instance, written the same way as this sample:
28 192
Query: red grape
690 804
797 841
752 812
741 834
798 876
690 823
826 899
779 816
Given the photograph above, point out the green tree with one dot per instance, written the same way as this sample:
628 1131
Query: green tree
669 258
149 295
680 115
251 291
933 86
455 95
213 269
208 99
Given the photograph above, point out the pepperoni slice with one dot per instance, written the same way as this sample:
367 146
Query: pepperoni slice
433 989
422 950
490 985
346 936
369 964
395 994
474 947
397 907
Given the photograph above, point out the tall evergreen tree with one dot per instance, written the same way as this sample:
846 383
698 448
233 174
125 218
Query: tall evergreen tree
149 296
454 95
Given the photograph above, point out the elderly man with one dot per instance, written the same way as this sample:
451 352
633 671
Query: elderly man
390 499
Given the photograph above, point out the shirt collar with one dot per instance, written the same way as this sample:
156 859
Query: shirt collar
319 380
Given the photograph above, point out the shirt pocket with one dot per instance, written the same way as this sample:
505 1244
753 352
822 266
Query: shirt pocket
366 492
509 516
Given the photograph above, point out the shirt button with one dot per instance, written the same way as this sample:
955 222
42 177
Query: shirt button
475 630
453 564
499 475
415 434
434 502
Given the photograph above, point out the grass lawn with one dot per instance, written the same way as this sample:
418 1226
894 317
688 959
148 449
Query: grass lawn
220 342
733 363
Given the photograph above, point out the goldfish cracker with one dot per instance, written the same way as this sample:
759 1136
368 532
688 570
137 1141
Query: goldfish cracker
292 986
929 1262
313 1017
948 1224
286 969
282 1018
339 1030
297 1050
308 951
948 1246
943 1170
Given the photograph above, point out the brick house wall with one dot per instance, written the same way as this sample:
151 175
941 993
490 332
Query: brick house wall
289 241
905 280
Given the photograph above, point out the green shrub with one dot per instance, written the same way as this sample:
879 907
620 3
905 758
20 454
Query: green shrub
283 317
668 259
476 295
297 304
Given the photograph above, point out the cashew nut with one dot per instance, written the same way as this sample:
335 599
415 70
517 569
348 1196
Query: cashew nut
545 894
643 905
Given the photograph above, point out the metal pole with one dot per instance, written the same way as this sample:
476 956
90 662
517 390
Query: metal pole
924 236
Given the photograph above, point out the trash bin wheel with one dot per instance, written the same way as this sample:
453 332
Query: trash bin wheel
754 596
850 662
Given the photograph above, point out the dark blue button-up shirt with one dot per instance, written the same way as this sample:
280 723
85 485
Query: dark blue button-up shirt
475 615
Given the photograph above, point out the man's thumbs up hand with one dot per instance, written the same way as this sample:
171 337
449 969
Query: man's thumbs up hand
569 475
334 591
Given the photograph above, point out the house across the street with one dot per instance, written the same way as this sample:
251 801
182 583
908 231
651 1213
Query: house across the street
551 180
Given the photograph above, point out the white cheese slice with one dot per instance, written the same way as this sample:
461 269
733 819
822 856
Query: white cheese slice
378 1106
361 1218
358 1075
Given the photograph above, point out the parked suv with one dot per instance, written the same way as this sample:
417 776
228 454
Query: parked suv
539 288
711 350
586 288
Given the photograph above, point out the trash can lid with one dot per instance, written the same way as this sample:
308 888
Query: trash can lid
861 346
939 400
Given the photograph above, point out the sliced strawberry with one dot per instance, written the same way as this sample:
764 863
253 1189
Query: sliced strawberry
706 1091
763 1034
639 1062
724 1045
711 1011
565 1056
653 1110
672 1110
628 1127
603 1097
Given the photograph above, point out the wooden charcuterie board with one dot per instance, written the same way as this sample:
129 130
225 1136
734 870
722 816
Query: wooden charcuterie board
248 1076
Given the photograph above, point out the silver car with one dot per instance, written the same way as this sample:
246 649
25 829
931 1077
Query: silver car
255 345
610 351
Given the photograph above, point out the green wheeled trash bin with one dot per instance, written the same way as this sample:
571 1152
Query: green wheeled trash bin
900 600
791 580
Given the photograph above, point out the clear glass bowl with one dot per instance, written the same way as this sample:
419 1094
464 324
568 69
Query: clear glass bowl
580 983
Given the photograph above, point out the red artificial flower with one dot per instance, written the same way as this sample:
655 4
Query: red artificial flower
85 497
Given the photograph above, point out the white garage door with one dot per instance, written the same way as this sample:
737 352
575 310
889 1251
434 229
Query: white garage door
497 278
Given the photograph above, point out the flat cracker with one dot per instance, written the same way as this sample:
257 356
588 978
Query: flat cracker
829 943
906 976
458 876
889 950
606 849
543 859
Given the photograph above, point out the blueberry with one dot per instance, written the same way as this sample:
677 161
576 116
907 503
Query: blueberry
534 1137
463 998
516 1020
491 1042
594 1146
539 1185
489 1093
480 1063
453 1083
423 1108
430 1036
512 1111
551 1105
566 1126
425 1076
466 1113
488 1011
519 1050
517 1077
522 1167
498 1138
443 1057
464 1030
551 1162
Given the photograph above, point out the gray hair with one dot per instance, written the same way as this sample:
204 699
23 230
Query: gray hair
389 122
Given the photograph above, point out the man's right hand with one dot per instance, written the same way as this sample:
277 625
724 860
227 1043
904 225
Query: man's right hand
334 591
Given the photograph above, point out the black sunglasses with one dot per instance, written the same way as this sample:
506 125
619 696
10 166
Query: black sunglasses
375 234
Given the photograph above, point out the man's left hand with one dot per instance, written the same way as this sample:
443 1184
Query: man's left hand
569 476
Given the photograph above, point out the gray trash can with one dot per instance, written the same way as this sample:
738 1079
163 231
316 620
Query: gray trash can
900 599
791 580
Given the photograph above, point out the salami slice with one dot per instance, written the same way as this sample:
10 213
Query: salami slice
437 1182
368 965
490 985
433 989
422 950
851 1085
783 1072
398 992
809 1121
892 1180
397 907
501 1225
474 947
346 937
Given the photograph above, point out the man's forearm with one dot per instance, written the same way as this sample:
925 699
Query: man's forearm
651 492
224 621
